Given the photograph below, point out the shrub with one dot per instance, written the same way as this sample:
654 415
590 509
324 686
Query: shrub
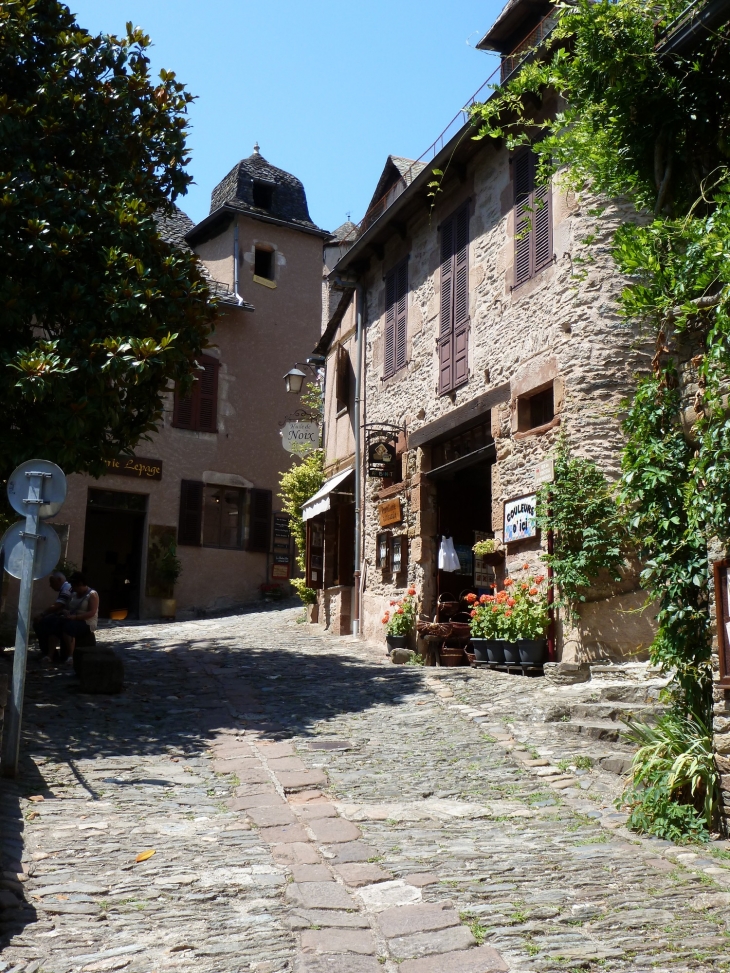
403 617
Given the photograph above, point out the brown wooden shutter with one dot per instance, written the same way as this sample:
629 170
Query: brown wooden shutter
446 324
523 185
390 314
401 315
190 518
342 384
259 533
461 297
208 395
184 409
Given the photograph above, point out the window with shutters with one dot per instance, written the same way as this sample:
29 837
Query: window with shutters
198 410
396 313
533 221
342 378
222 516
453 339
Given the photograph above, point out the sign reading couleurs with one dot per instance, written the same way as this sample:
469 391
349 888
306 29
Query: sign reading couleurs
520 518
139 466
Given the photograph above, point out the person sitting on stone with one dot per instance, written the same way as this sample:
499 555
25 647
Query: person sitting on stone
81 616
47 625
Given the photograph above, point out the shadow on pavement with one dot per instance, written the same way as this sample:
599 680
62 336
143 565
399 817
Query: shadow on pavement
183 687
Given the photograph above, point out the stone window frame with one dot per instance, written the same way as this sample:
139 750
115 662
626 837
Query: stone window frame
535 378
267 247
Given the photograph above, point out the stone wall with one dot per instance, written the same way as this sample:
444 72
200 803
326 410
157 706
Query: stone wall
559 327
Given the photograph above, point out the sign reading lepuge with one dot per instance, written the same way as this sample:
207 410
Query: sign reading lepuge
520 518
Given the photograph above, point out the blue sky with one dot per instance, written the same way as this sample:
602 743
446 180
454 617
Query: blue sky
328 89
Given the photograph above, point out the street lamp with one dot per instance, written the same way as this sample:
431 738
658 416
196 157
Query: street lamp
294 378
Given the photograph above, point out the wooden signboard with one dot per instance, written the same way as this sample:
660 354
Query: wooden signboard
138 466
390 512
722 610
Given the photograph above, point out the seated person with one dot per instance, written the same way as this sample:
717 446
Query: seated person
47 625
81 616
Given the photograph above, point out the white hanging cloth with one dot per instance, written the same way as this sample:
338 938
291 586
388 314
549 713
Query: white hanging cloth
448 558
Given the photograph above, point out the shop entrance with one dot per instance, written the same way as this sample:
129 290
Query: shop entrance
113 539
464 505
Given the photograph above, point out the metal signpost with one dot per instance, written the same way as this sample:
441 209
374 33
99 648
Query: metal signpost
37 489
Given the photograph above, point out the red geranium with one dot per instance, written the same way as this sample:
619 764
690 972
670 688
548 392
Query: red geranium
471 598
509 582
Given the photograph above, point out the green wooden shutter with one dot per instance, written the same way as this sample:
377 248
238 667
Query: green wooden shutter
190 517
259 532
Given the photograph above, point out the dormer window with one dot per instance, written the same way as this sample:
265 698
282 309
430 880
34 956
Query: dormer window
263 194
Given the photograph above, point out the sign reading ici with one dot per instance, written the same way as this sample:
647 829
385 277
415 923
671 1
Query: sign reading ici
520 520
300 437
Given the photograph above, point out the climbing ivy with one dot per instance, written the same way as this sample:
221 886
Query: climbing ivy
588 537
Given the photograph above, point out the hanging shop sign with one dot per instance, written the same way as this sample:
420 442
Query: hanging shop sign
390 512
381 458
300 437
545 471
520 518
139 466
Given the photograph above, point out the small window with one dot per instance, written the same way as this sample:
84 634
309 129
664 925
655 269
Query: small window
342 378
224 516
382 553
535 410
264 263
263 195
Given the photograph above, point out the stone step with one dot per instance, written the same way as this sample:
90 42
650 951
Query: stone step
646 693
615 711
595 729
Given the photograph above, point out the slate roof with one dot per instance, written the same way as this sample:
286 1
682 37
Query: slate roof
346 233
288 203
172 227
396 167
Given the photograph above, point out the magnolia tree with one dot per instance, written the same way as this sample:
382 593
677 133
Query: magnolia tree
98 313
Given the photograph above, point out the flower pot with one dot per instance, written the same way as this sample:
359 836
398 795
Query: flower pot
168 607
396 642
452 656
511 653
532 651
488 650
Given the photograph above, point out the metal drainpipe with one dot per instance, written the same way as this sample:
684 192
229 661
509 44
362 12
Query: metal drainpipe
235 267
358 461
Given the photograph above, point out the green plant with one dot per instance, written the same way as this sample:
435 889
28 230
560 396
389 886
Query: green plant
100 314
519 611
307 595
588 536
488 546
674 779
297 484
168 566
403 618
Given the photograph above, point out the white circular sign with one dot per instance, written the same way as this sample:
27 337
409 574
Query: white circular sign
47 555
300 437
53 491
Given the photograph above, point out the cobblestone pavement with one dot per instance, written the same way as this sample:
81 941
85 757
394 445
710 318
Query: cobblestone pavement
313 808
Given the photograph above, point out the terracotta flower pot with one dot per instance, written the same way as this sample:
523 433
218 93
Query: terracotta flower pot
452 656
168 607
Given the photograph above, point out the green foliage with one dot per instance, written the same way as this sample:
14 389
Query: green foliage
168 566
673 791
588 537
403 617
99 314
300 482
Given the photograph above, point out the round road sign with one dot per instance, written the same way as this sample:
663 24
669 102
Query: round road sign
53 492
48 550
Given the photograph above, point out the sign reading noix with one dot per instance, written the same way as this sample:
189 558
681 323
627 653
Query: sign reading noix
300 437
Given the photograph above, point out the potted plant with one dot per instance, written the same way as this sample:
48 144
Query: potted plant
530 619
168 569
486 626
400 623
488 550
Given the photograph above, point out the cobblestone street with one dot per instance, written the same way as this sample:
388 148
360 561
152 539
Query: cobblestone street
313 808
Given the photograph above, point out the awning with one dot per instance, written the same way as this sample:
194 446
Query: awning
321 499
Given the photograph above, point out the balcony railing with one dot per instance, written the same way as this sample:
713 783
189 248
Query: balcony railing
534 39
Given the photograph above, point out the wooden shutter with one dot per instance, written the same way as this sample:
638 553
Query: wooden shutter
461 297
208 395
532 219
446 323
401 309
190 518
390 313
542 227
342 383
523 186
259 533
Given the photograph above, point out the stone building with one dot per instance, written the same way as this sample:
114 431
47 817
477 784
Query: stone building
488 329
208 480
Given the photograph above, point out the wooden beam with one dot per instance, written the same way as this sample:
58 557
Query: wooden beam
460 419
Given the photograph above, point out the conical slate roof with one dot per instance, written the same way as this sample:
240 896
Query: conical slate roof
288 201
173 226
345 233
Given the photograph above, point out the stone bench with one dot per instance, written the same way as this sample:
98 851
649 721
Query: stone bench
99 668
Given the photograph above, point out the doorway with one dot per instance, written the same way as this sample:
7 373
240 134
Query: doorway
113 539
464 505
